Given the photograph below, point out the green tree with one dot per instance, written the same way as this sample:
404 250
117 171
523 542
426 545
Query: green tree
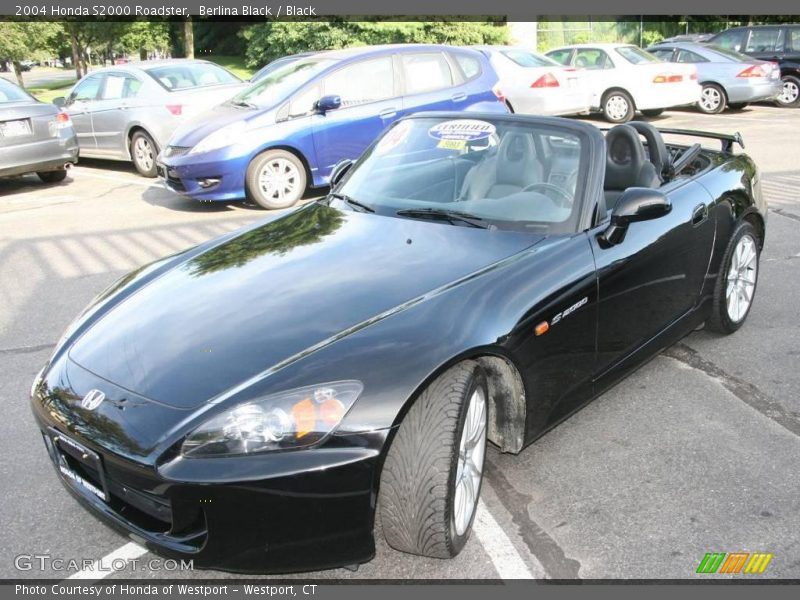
144 37
26 41
267 41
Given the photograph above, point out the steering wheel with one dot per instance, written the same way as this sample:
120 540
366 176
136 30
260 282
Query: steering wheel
564 200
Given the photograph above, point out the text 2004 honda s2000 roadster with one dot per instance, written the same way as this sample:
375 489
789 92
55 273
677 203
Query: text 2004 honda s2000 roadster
249 402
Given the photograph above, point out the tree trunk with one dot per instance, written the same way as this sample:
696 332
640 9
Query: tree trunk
18 73
188 38
76 57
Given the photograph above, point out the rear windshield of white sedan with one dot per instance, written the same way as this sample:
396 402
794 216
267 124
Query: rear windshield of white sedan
512 175
529 59
191 75
637 56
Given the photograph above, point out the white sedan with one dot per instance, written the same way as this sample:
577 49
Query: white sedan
624 78
536 85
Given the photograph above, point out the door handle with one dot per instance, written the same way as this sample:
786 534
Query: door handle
699 214
388 113
458 97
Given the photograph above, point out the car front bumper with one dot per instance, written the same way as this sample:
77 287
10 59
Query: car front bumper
186 174
270 513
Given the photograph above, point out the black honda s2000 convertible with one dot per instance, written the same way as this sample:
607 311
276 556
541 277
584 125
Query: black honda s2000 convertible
249 403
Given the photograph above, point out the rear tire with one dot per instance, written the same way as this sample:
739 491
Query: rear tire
143 154
790 97
275 179
736 284
712 99
653 112
432 476
52 176
618 106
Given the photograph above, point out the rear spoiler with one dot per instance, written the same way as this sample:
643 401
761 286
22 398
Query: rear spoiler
727 140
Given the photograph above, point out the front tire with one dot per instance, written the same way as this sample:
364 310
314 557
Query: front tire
276 179
790 97
712 99
143 154
432 476
52 176
737 281
618 106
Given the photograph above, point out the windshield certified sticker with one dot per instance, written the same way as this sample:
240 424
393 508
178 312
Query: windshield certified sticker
466 130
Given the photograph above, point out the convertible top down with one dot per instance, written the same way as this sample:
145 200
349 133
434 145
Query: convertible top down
246 403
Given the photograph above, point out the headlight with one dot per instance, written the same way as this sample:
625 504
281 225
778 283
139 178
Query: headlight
294 419
226 136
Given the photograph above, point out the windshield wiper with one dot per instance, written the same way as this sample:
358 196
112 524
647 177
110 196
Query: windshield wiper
352 202
243 104
444 215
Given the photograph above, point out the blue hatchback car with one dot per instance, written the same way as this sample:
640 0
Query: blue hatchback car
286 132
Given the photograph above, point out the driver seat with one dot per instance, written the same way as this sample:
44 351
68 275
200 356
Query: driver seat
512 168
627 164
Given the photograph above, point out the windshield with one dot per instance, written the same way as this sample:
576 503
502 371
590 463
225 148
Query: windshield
730 54
11 93
529 59
278 84
636 55
512 175
182 76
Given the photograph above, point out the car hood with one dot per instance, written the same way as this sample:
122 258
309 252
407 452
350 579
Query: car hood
272 292
198 126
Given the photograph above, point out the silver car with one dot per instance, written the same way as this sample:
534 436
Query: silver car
729 79
34 137
128 112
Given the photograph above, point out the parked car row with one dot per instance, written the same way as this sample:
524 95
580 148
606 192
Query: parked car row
210 136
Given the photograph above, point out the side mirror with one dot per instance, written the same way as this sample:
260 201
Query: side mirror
635 204
340 169
60 102
327 103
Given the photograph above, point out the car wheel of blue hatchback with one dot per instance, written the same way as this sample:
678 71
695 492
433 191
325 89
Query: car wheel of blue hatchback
276 179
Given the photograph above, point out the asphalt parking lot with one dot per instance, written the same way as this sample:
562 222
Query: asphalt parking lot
696 452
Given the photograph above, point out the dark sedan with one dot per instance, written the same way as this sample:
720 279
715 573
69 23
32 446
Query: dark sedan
472 278
35 137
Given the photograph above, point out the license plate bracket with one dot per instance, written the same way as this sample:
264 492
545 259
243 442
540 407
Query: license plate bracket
67 454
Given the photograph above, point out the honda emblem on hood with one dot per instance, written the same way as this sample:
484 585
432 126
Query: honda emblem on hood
93 399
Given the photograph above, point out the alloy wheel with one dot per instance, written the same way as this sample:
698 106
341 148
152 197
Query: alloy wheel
471 453
741 281
143 153
790 93
278 179
710 99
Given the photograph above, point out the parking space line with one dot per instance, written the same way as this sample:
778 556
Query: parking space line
84 172
110 563
504 556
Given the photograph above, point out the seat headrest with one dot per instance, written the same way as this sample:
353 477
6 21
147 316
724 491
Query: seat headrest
626 163
516 155
656 147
